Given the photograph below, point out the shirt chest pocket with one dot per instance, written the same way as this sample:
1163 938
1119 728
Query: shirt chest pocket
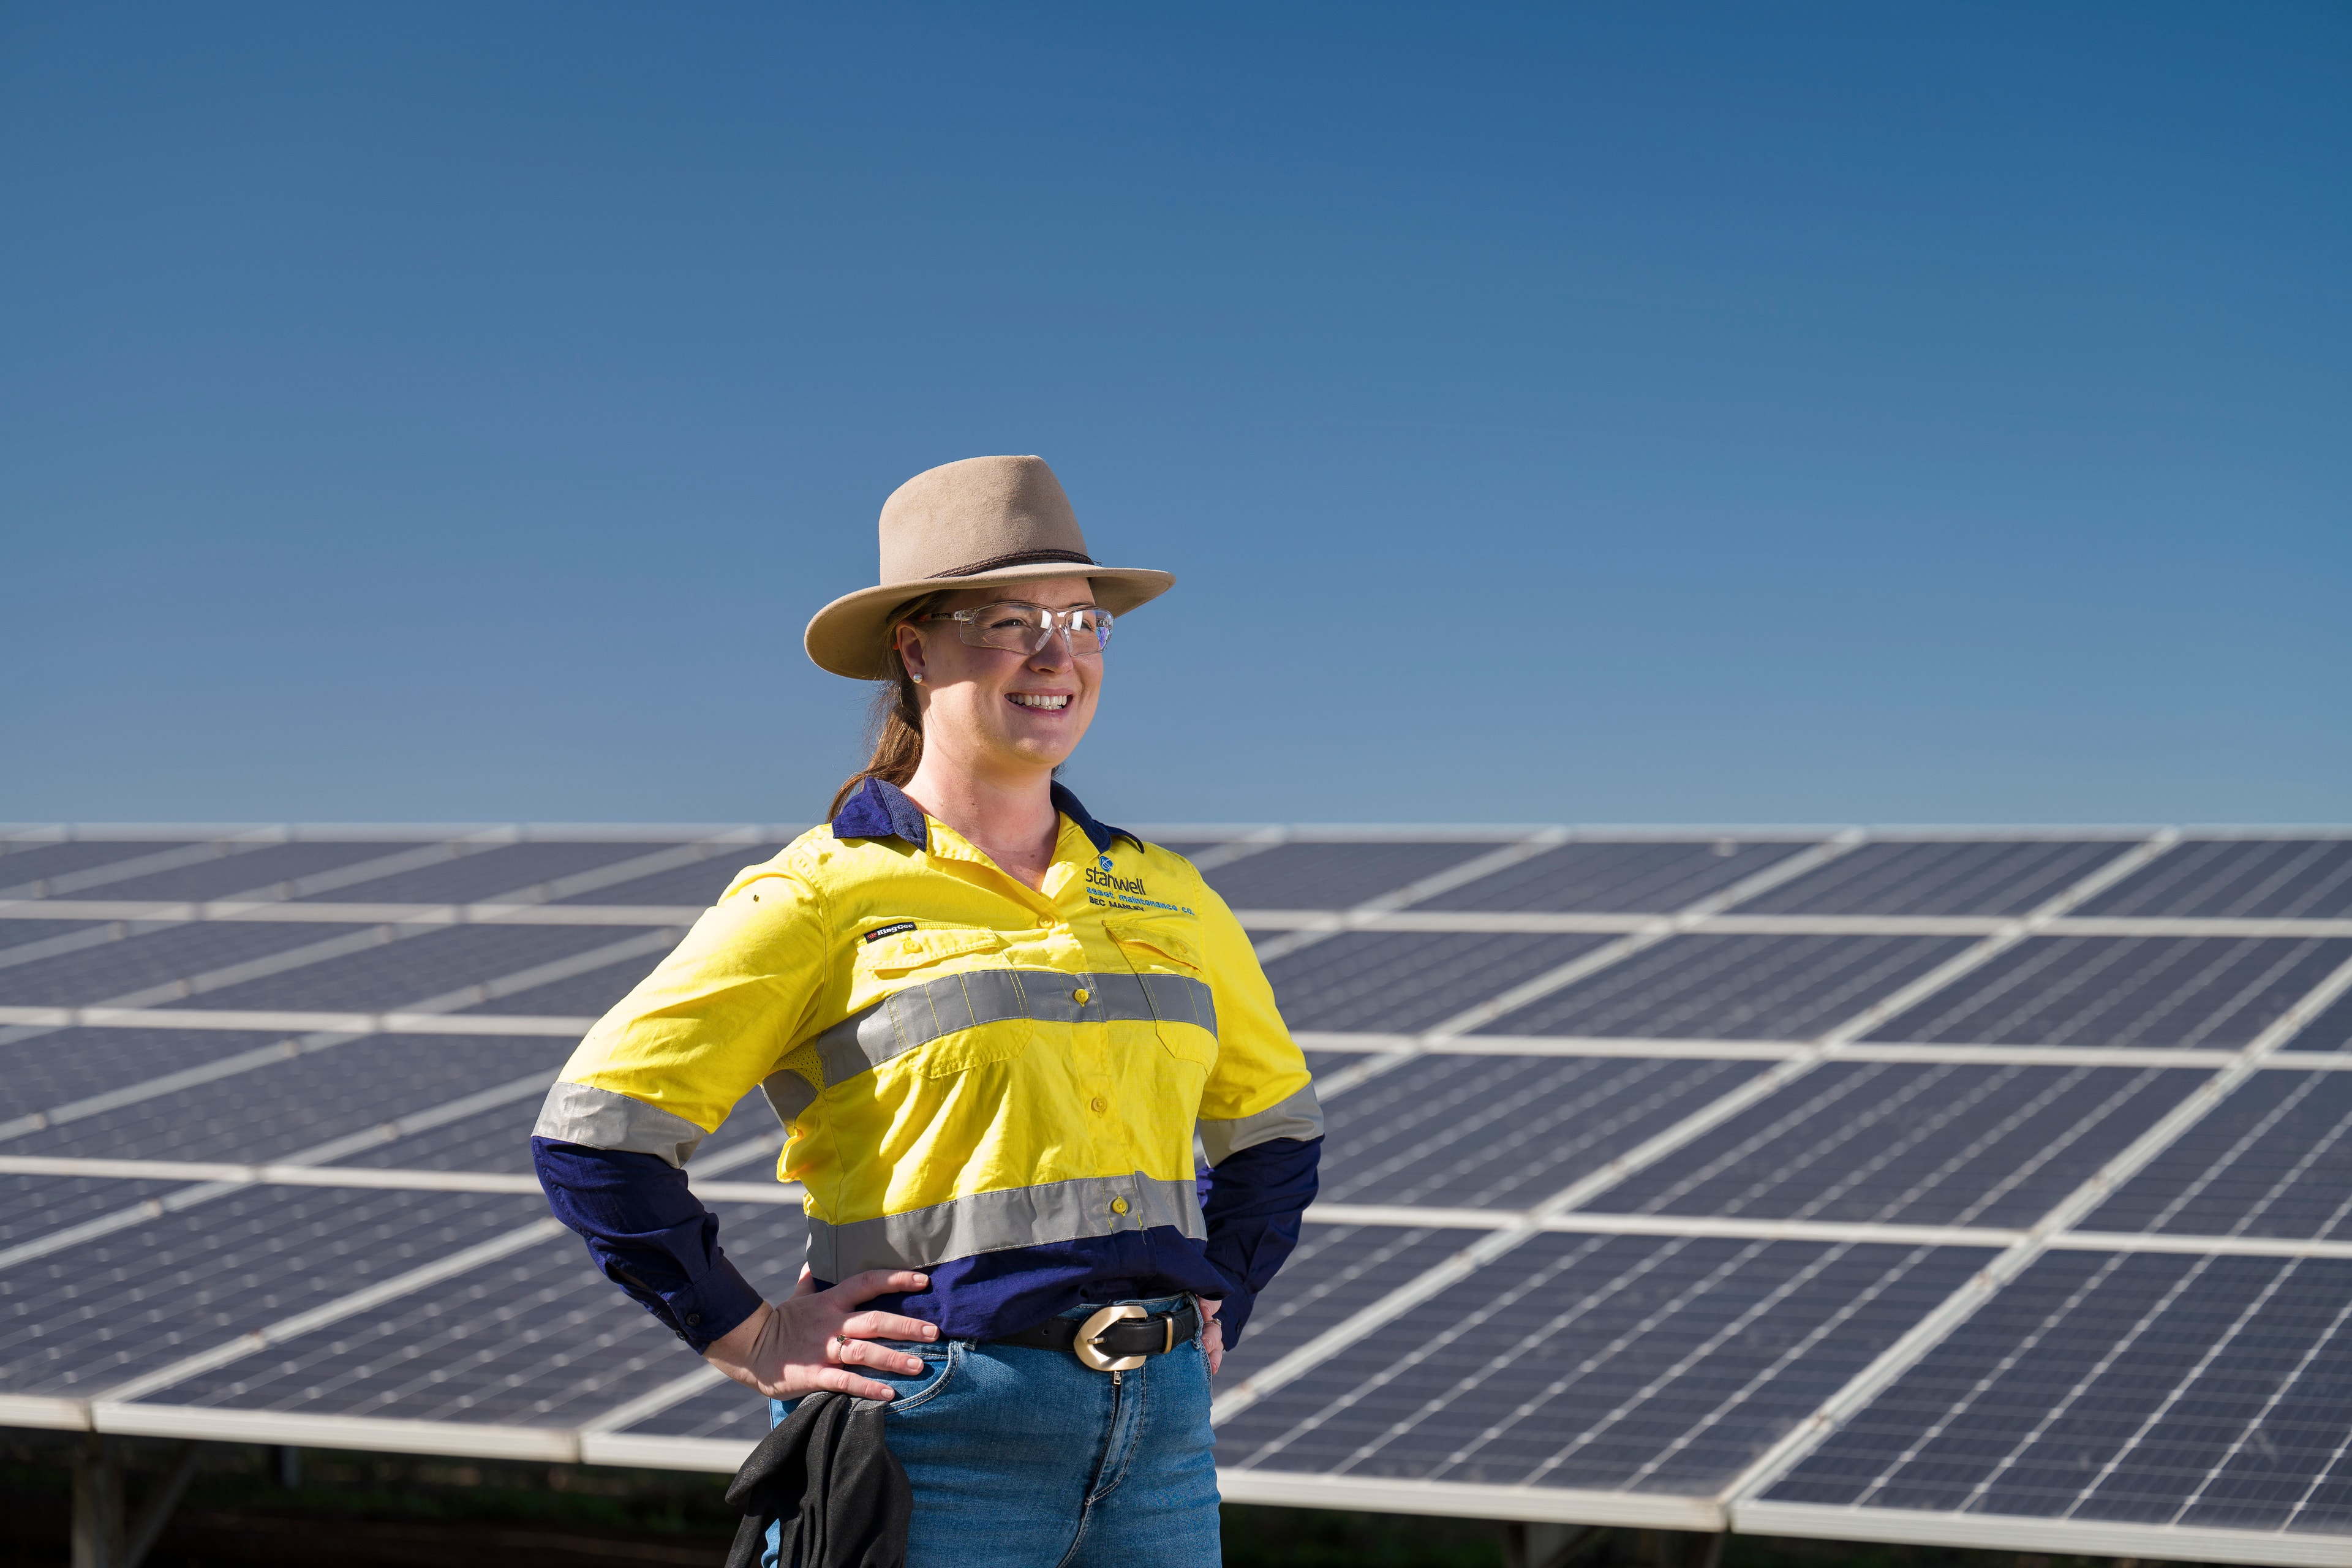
943 1023
1168 983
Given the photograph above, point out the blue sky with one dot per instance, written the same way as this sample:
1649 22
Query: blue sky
1578 413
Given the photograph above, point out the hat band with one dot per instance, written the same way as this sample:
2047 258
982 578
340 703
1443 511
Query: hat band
1018 558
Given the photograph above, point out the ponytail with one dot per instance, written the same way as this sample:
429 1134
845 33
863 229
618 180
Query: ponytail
895 721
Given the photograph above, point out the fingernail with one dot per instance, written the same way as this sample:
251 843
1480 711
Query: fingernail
930 1331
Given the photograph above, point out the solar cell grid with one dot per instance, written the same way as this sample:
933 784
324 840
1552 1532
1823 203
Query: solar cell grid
114 1306
2329 1030
489 874
1332 876
1336 1272
24 867
1612 877
424 963
2214 992
55 1067
1504 1131
35 1206
2274 1158
1732 987
2274 879
2140 1387
155 958
2101 1385
588 995
273 1111
1637 1364
16 935
725 1411
1404 981
1903 1144
254 873
695 885
1939 878
539 1338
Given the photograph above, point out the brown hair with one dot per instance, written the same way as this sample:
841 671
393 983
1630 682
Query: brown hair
894 722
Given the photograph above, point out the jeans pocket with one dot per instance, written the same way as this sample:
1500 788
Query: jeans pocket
940 1363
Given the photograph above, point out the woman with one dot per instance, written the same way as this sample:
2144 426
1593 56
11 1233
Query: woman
994 1028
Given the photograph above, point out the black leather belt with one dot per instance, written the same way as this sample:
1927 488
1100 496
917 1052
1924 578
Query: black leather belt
1116 1339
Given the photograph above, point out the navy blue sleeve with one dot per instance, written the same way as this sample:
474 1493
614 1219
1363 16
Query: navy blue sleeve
650 1234
1255 1200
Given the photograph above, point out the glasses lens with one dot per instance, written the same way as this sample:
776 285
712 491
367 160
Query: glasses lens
1024 627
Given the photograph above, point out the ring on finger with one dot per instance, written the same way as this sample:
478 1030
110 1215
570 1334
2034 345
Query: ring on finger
840 1347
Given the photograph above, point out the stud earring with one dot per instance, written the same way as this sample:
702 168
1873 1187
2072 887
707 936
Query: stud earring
913 676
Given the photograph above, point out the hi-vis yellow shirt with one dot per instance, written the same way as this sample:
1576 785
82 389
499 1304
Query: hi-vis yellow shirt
964 1064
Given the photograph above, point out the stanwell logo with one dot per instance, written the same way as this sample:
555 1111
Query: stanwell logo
1099 876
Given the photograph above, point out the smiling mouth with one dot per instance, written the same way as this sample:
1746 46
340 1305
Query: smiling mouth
1040 702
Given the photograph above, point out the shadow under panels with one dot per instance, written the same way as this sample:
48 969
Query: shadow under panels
276 1112
2274 1158
2267 879
1733 987
262 873
1616 877
140 962
1940 876
2216 993
2146 1387
1909 1143
538 1339
486 875
1504 1133
51 1068
112 1306
1639 1363
1404 981
1333 876
432 962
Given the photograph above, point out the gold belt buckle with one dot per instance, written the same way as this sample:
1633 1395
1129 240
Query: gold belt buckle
1083 1347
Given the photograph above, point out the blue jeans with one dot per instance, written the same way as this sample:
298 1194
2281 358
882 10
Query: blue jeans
1023 1458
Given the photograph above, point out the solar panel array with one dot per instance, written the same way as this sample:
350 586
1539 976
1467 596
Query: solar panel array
1982 1188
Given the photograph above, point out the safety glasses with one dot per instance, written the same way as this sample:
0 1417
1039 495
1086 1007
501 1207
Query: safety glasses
1025 628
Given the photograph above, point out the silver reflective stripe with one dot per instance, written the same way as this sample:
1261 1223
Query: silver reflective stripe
1300 1117
788 1094
923 1012
602 1119
991 1222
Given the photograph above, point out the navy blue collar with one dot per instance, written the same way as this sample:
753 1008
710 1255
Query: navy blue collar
880 810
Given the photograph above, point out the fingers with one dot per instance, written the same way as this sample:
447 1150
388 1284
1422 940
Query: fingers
875 1282
888 1326
849 1383
865 1353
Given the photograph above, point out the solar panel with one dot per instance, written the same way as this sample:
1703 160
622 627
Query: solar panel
1965 1188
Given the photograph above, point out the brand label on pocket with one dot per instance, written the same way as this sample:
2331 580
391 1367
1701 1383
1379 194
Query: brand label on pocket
901 929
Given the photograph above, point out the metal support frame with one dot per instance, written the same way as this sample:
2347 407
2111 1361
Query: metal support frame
105 1533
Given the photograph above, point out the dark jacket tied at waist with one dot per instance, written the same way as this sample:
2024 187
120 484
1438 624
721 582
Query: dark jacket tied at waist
841 1493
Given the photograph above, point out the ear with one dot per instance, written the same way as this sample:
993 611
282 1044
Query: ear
909 642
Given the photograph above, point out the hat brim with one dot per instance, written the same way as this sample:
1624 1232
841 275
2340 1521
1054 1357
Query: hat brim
846 637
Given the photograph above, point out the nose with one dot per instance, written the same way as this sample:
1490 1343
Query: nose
1055 652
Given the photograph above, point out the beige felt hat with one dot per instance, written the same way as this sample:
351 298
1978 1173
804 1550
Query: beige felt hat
983 522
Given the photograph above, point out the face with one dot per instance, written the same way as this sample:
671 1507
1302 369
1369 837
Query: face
996 709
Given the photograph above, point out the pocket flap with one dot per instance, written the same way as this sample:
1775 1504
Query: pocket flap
912 950
1156 938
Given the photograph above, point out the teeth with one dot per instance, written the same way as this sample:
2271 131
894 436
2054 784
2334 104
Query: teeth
1028 700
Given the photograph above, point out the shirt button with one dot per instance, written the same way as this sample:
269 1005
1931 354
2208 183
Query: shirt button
1045 920
1079 995
693 1319
1100 1103
1119 1205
